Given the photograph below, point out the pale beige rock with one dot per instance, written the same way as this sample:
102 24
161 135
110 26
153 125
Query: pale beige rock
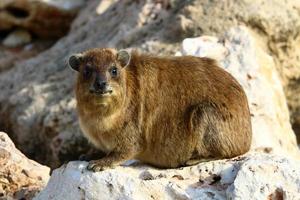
17 38
253 176
204 46
266 178
20 177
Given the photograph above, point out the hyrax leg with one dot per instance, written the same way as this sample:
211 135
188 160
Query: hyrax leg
222 134
114 158
126 148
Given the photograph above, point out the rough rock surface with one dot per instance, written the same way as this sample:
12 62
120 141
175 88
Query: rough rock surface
36 99
20 178
252 176
43 18
30 26
10 56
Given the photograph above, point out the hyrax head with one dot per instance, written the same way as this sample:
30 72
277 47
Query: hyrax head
100 74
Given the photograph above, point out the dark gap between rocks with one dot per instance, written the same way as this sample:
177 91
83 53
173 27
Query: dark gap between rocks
3 34
18 12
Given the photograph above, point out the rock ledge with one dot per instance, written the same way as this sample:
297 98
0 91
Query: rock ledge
252 176
20 178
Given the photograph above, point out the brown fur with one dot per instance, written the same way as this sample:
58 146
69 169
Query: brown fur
164 111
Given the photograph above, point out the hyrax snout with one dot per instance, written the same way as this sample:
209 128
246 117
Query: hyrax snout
165 111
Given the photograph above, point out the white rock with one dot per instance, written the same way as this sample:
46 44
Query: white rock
104 5
242 55
275 177
17 38
253 176
205 46
66 4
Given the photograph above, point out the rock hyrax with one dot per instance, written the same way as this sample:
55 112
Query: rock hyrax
165 111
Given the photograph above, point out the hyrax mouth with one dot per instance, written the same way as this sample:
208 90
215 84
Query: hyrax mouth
102 93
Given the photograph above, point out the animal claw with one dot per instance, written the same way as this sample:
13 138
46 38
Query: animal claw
97 166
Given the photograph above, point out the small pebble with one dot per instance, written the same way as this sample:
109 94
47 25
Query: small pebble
17 38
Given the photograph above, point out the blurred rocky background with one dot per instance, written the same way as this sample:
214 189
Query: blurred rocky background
258 41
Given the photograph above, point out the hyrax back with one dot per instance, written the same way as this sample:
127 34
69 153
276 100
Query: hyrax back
161 110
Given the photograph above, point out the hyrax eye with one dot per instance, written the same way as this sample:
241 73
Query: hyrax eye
114 72
87 72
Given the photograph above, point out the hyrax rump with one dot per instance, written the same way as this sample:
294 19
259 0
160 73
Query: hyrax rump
165 111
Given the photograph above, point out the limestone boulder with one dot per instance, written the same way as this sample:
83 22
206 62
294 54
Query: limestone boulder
252 176
20 177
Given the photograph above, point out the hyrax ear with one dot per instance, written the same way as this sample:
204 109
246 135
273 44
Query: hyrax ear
123 56
74 61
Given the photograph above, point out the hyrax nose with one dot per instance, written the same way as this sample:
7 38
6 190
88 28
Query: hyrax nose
100 85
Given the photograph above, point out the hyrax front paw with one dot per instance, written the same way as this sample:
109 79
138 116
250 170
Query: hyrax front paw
98 165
